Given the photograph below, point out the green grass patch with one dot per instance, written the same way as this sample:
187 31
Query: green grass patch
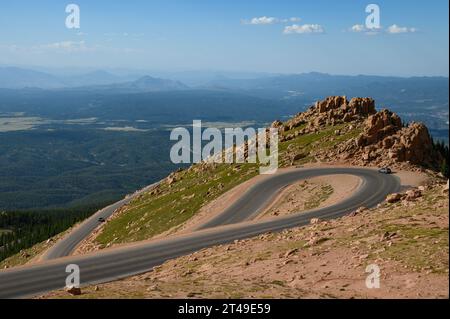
322 195
420 247
150 214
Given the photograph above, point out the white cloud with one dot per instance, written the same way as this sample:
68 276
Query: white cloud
262 21
269 20
303 29
358 28
67 46
124 34
395 29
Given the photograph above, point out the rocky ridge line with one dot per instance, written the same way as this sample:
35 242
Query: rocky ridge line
384 141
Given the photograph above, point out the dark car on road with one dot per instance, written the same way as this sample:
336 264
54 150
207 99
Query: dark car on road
101 220
385 170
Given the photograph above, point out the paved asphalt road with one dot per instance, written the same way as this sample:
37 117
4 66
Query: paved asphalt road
112 264
67 245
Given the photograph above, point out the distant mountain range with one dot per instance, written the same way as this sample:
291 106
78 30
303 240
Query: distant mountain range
317 84
415 98
273 85
141 85
307 85
17 78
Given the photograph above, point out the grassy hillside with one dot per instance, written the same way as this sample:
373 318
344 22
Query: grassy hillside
172 205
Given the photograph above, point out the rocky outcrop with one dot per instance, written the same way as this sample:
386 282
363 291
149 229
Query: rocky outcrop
385 137
331 111
356 106
277 124
379 127
337 109
384 140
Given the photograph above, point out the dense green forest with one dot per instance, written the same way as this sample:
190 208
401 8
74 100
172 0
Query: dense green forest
70 148
443 149
24 229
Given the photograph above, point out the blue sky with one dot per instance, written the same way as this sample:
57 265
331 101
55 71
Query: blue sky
218 35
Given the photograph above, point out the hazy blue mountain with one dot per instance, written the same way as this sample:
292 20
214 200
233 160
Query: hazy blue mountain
318 84
415 99
143 84
98 77
17 78
20 78
148 83
199 78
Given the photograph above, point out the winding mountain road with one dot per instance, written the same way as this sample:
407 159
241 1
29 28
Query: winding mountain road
67 244
232 224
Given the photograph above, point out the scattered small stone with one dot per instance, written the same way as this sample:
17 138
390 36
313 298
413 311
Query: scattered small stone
153 288
289 261
74 291
394 198
388 236
413 194
290 252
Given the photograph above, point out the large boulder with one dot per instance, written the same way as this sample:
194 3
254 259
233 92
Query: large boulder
413 194
414 144
331 103
382 124
394 198
362 106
